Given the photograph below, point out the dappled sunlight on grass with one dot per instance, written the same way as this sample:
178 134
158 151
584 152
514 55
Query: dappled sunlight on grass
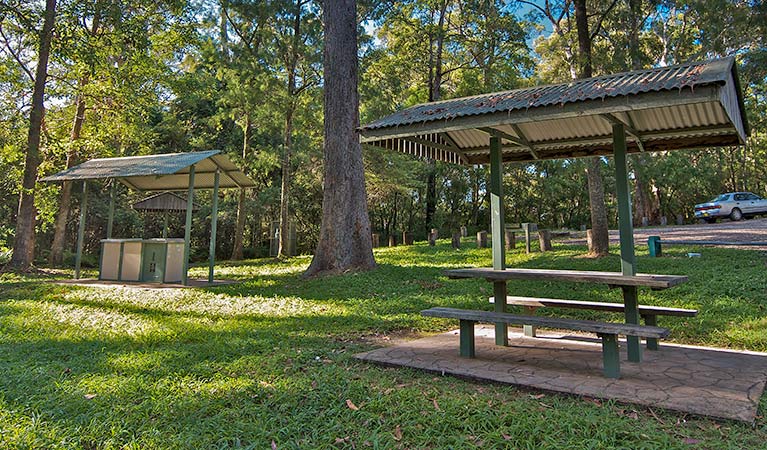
270 358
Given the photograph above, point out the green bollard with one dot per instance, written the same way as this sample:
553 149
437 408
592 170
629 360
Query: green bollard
653 242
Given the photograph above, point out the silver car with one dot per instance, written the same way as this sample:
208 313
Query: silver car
735 205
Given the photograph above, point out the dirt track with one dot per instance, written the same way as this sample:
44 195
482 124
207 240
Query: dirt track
754 230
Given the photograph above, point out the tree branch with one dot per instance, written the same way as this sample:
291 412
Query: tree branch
23 66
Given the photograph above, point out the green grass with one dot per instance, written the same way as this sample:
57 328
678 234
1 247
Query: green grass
271 359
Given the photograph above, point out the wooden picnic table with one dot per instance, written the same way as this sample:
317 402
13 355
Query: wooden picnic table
583 276
629 284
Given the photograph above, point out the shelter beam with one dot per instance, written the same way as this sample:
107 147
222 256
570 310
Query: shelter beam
628 127
498 225
81 229
524 139
213 223
628 258
111 219
188 226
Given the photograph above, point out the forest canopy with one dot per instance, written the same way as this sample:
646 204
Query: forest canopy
246 77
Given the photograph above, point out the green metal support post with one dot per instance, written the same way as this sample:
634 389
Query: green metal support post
213 222
81 230
498 229
165 224
628 259
188 226
111 218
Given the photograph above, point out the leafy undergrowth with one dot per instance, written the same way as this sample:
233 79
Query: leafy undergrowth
269 362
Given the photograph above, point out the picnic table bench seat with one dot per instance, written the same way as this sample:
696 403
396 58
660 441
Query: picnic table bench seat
648 313
608 332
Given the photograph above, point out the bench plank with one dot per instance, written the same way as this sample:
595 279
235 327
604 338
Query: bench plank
581 276
549 322
536 302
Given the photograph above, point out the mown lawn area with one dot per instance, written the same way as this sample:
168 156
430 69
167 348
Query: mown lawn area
268 363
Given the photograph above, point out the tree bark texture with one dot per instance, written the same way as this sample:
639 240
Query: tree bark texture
24 242
60 225
600 242
345 238
239 232
292 60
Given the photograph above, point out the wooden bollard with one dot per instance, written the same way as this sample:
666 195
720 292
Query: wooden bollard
433 234
456 239
511 240
544 238
407 238
376 239
481 239
589 239
392 240
679 219
464 232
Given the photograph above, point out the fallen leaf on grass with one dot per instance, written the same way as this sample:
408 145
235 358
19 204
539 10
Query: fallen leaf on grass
89 396
398 433
314 384
691 441
505 437
537 397
436 405
274 445
351 405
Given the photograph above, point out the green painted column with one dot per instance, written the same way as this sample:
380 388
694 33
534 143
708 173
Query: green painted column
81 230
111 218
165 224
188 226
628 258
213 223
497 228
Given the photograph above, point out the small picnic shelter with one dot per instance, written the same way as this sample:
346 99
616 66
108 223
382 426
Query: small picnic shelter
164 172
687 106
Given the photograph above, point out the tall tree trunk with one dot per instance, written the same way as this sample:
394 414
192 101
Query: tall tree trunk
345 242
285 187
24 242
435 94
600 238
60 225
239 231
292 60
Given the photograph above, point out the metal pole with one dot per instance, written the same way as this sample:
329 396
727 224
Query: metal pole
111 219
213 222
188 227
81 230
628 258
497 228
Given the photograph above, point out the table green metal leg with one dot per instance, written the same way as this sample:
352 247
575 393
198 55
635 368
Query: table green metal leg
498 229
188 226
213 222
81 230
467 338
501 328
651 320
611 356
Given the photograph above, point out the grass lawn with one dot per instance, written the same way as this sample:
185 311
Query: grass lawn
268 363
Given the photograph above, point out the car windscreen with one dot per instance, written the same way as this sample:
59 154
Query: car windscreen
721 198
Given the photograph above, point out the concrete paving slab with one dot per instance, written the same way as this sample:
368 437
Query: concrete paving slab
193 283
699 380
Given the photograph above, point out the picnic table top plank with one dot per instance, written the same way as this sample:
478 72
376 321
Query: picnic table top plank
582 276
549 322
598 306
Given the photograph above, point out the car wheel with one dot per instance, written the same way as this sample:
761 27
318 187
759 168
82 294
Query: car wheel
710 220
736 215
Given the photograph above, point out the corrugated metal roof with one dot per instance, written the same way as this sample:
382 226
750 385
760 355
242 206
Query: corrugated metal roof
167 172
689 105
164 201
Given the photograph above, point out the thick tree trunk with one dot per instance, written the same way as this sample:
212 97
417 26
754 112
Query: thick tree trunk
24 242
60 225
239 232
345 241
600 237
600 241
285 187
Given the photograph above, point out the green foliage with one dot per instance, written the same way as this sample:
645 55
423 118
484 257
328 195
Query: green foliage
270 359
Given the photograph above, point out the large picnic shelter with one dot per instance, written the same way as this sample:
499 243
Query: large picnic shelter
687 106
163 172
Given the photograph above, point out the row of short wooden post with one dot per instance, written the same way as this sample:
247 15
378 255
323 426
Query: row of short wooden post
544 239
